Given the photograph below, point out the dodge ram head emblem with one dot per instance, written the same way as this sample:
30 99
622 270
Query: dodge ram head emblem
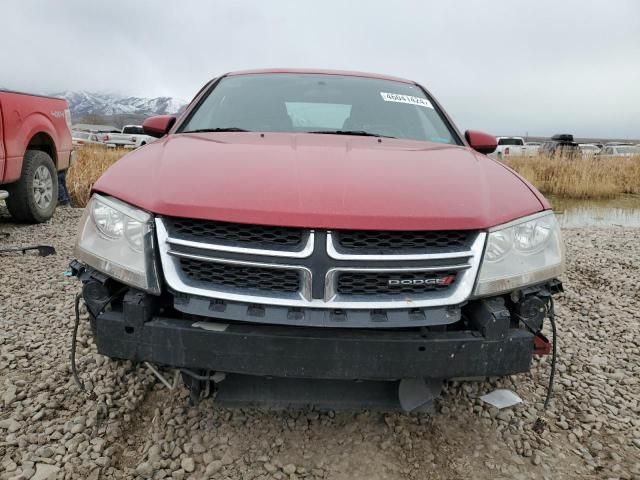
439 281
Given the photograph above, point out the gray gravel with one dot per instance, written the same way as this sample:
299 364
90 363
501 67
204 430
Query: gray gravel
134 428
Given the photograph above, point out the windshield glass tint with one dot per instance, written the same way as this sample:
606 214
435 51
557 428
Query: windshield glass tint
315 103
510 141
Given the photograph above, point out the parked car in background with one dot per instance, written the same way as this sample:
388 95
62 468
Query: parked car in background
132 136
513 146
612 151
301 225
589 149
560 145
35 143
533 148
85 138
101 131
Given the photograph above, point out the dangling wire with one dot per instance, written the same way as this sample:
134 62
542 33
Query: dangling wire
74 339
540 423
552 319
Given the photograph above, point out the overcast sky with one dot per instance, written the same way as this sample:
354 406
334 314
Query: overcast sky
504 66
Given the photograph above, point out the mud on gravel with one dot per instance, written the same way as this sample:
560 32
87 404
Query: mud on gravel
135 428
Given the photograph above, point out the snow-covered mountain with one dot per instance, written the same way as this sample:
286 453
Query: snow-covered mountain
83 103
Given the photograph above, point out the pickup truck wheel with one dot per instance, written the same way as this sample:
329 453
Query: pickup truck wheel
33 198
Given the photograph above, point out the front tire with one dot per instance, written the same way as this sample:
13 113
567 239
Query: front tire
33 198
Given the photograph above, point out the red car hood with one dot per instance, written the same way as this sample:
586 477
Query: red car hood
320 181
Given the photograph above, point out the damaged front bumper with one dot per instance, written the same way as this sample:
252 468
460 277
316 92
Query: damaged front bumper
320 353
487 341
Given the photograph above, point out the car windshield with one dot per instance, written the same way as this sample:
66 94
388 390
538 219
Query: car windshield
510 141
317 103
81 135
132 129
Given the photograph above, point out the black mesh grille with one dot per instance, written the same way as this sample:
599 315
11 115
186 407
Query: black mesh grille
240 276
382 283
391 241
236 233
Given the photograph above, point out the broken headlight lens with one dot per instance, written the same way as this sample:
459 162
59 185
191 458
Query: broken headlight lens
117 239
521 253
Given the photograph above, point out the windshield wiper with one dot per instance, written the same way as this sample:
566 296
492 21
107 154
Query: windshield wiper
360 133
223 129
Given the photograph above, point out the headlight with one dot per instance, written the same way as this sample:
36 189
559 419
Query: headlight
520 253
117 239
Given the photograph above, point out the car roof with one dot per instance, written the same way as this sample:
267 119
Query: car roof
319 71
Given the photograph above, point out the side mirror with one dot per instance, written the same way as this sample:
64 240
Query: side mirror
159 125
481 142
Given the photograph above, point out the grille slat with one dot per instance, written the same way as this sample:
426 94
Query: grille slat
242 276
364 241
377 283
257 236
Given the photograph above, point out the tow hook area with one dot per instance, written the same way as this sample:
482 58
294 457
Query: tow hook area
200 385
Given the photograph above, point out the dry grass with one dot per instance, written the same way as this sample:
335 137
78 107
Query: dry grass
91 162
580 178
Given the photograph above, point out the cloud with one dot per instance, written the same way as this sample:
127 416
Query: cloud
501 65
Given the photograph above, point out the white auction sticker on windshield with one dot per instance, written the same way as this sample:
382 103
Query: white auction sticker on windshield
397 97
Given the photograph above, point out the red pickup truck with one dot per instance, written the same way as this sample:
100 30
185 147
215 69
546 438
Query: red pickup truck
318 231
35 143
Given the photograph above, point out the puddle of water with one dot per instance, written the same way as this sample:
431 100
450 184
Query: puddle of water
623 211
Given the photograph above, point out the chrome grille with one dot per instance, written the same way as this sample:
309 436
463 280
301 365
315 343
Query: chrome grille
319 272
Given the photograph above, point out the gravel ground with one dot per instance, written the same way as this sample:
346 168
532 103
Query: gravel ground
135 428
